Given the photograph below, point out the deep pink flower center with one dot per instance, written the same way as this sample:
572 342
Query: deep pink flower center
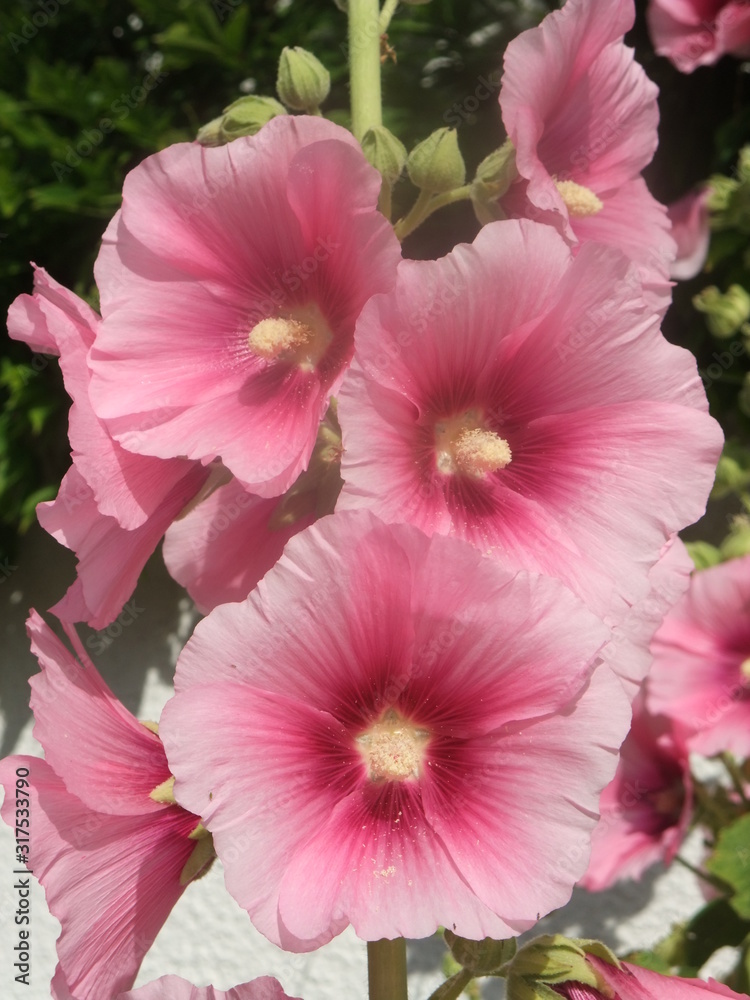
463 444
393 748
300 336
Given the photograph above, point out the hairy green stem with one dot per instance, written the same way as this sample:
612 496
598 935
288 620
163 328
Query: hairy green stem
425 205
364 65
389 9
386 968
452 988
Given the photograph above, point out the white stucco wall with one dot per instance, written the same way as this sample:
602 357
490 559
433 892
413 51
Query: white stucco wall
207 938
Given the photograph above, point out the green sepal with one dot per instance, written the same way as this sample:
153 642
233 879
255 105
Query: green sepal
436 165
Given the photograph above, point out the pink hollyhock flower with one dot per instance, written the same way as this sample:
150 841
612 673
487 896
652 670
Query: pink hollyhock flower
113 506
524 399
583 116
631 982
692 33
384 706
107 841
701 665
646 808
231 282
221 548
175 988
689 218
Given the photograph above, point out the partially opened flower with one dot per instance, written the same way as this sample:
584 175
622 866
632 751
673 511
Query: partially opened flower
107 841
647 807
524 399
693 33
113 506
230 285
176 988
582 116
690 219
701 671
553 965
386 706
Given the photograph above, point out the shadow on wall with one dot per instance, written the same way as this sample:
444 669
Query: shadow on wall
147 634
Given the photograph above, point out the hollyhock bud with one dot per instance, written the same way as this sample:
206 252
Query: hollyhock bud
385 152
552 966
480 957
303 82
725 313
436 165
247 116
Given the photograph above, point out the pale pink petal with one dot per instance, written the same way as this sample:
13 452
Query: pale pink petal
176 988
296 762
507 823
374 860
349 559
110 559
693 33
646 809
631 982
629 654
35 318
111 881
689 218
701 653
226 544
102 753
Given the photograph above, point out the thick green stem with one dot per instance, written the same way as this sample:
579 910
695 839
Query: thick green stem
364 65
425 205
386 968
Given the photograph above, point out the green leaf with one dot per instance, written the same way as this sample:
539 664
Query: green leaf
731 863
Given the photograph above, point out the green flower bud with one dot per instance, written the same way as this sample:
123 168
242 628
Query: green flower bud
303 82
248 115
385 152
435 165
725 313
480 957
552 959
737 542
497 171
720 191
245 116
212 134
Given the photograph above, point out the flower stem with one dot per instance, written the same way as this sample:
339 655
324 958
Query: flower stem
425 205
452 988
364 65
386 968
389 9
